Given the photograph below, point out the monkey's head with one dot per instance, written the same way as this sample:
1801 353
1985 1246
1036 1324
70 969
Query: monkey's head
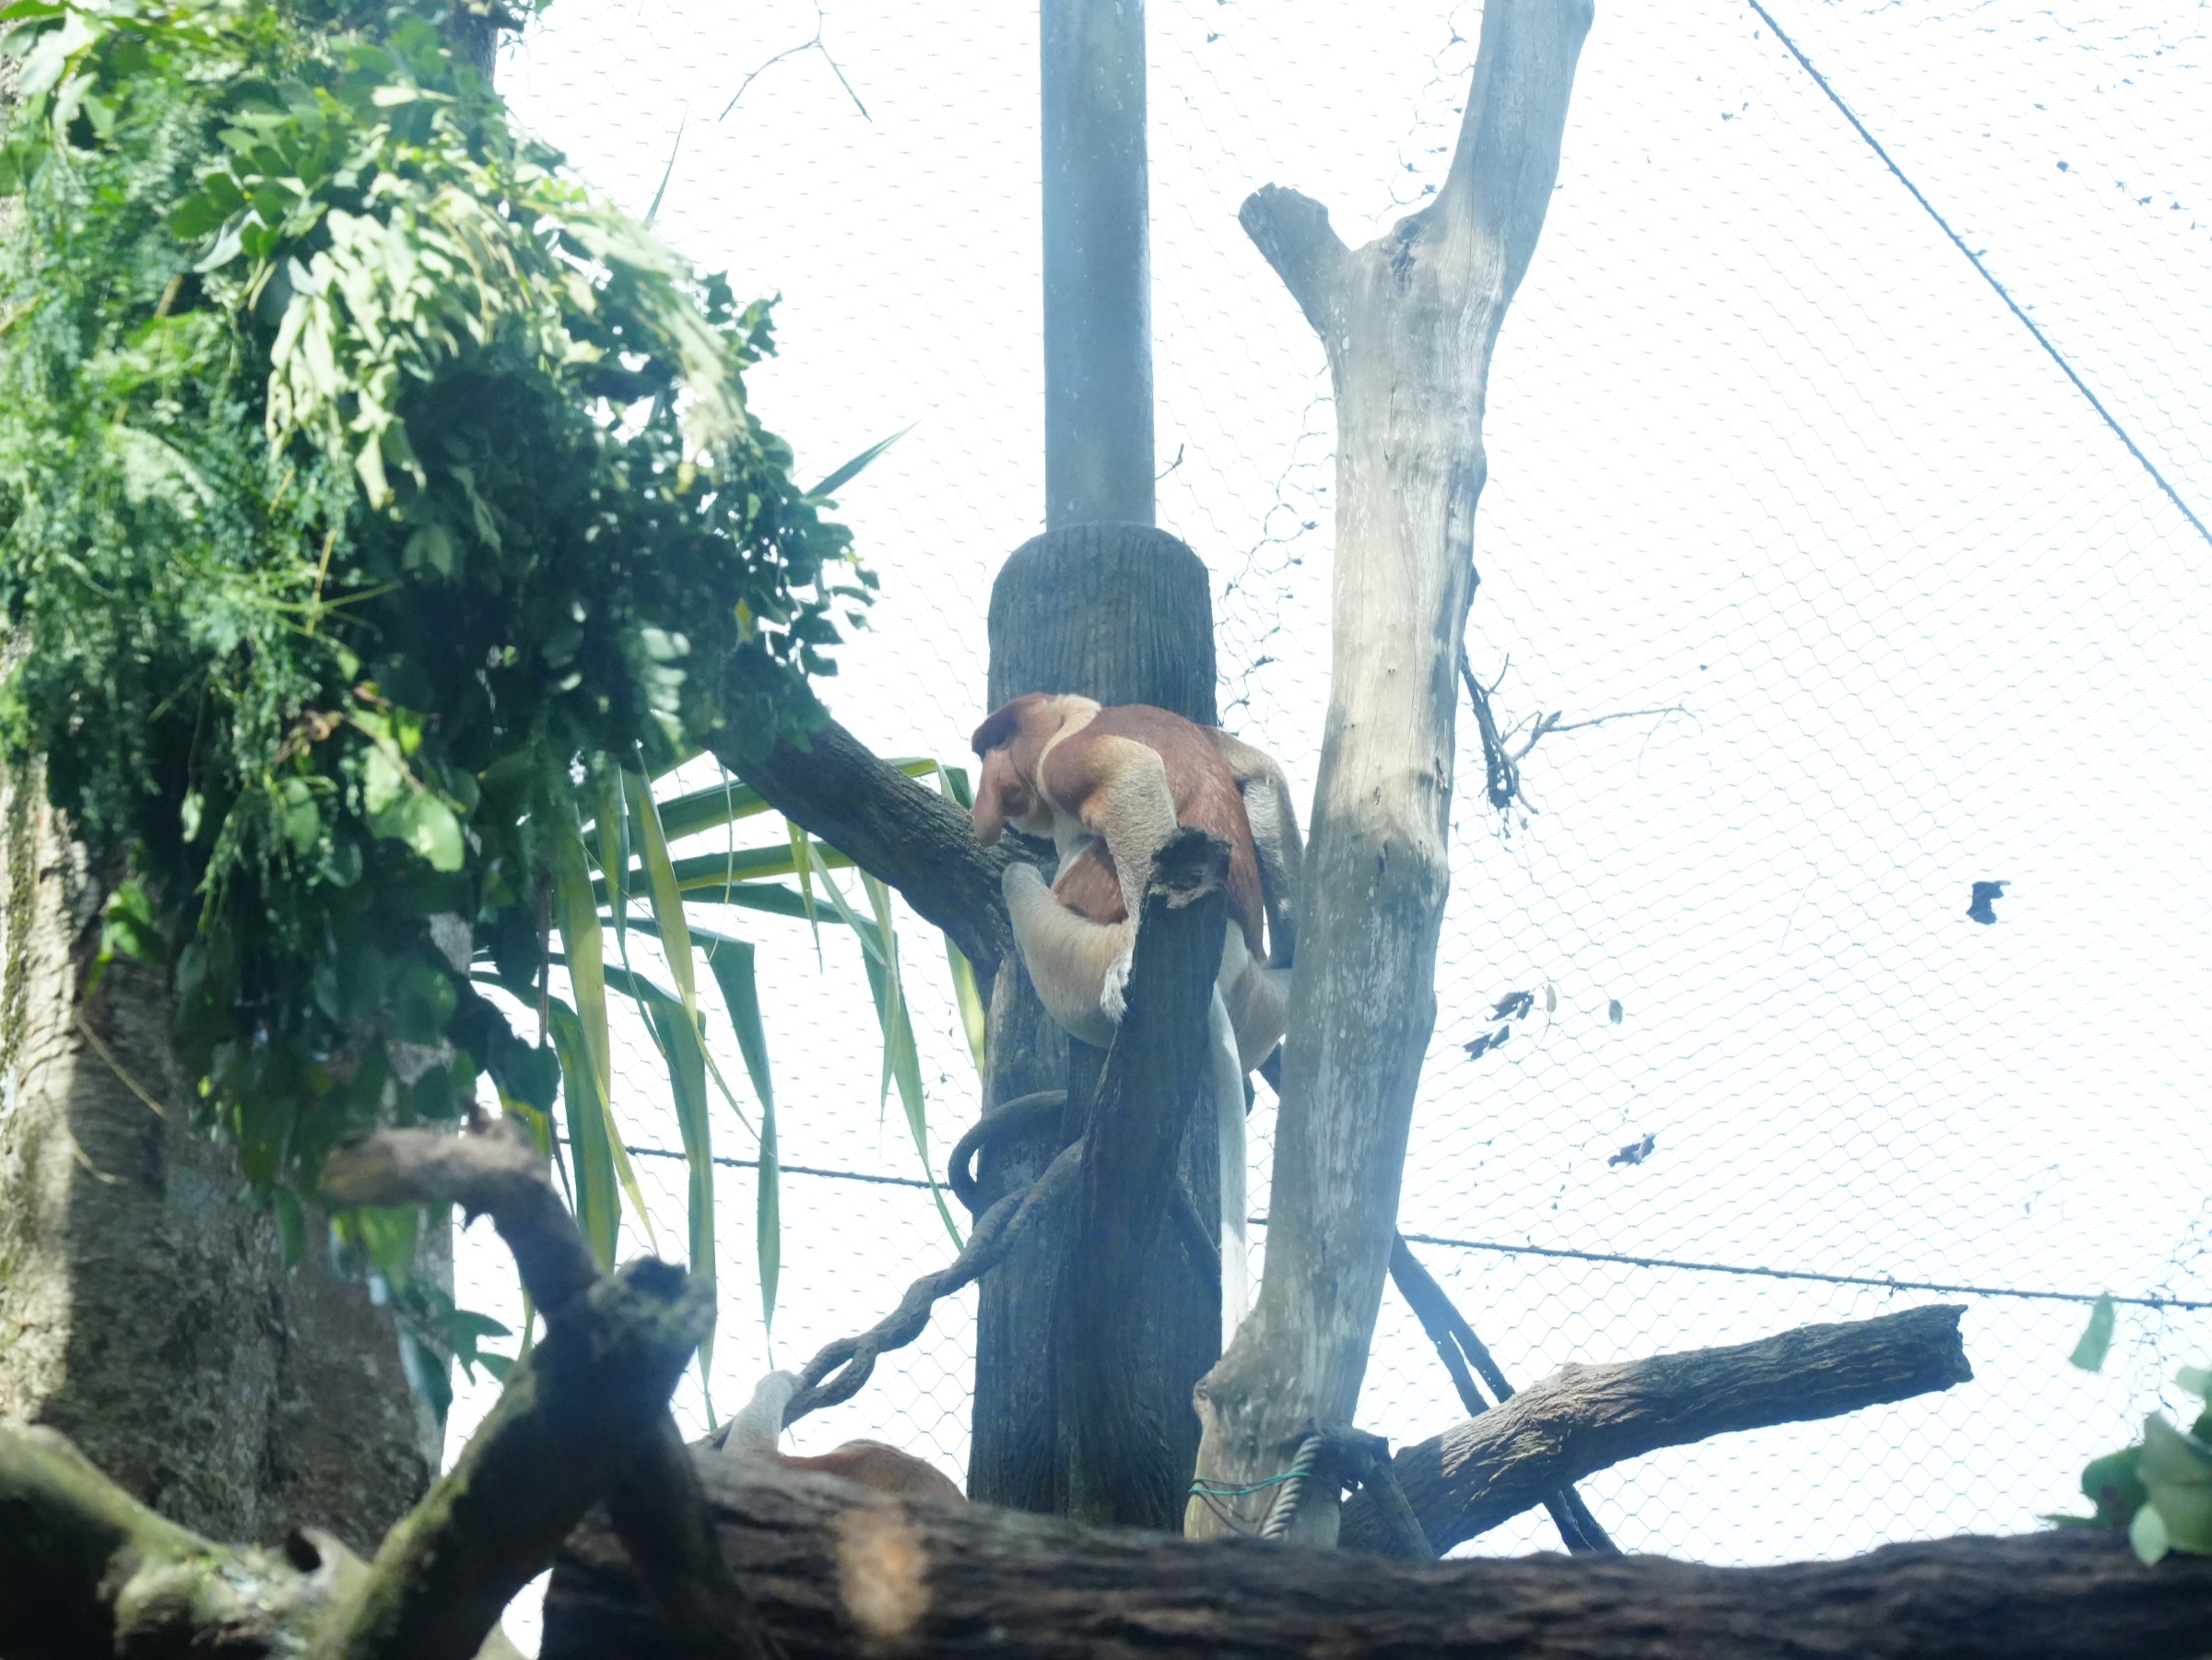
1012 742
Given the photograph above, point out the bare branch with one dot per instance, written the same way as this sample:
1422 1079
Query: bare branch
494 1171
1585 1418
568 1426
1292 233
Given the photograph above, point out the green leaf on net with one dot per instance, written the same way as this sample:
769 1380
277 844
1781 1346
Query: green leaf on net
853 468
2176 1472
2097 1338
956 786
2196 1380
2147 1534
731 961
598 1203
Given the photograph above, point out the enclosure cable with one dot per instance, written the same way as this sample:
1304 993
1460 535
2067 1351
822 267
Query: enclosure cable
1560 1253
1989 276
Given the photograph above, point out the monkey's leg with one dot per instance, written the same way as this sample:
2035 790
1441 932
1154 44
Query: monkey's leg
1071 959
1225 1084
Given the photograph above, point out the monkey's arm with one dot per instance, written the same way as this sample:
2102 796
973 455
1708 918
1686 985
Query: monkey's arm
1078 966
1118 788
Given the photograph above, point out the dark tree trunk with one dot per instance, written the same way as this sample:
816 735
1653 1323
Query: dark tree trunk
1121 613
1132 1432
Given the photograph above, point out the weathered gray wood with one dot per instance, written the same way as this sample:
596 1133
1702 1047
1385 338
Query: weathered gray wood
1098 265
1134 1434
1123 614
1585 1418
841 1572
1408 323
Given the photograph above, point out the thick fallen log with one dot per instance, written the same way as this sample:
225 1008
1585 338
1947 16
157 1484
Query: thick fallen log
836 1570
1584 1419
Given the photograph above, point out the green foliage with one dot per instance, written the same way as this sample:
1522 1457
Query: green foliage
367 492
2158 1491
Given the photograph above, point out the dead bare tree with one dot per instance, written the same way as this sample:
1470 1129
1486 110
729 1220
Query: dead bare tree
1408 323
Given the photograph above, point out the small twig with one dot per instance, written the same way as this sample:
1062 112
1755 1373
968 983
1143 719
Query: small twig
792 51
1551 722
1502 765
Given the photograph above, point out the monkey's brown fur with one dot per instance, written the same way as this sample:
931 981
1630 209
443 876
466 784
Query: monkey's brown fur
1045 759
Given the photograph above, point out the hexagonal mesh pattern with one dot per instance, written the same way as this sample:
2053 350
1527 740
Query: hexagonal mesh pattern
1885 603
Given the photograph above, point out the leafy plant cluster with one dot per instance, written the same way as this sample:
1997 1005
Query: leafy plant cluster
2157 1492
373 502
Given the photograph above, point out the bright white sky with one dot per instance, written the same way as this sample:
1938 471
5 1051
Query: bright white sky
1763 446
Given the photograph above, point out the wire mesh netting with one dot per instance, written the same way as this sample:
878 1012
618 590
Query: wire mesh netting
1852 493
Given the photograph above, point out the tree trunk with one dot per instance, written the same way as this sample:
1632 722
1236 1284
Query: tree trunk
1133 1435
837 1571
145 1311
1121 613
1408 323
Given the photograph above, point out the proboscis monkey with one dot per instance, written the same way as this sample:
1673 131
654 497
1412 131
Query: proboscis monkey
1108 786
873 1463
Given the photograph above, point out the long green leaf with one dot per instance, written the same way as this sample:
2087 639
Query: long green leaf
902 1057
853 468
975 1023
817 862
666 899
710 809
679 1038
583 953
802 863
611 830
598 1205
966 995
731 961
576 912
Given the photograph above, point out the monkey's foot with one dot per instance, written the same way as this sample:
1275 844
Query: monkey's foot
1112 998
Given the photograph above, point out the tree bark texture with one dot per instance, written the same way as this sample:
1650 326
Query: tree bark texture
1098 264
838 1571
1408 323
912 838
1121 613
1134 1435
145 1311
1585 1418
